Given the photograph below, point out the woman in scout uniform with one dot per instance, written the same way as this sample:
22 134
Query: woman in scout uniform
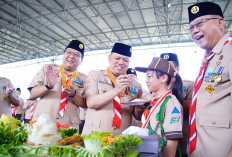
61 88
8 96
164 115
107 90
187 95
210 113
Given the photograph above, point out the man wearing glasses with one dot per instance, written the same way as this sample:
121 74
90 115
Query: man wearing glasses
61 87
107 90
210 128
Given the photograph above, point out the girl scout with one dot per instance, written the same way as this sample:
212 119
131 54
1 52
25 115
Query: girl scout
164 115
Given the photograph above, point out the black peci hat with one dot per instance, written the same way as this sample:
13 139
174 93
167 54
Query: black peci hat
131 71
77 45
122 49
204 8
170 57
158 64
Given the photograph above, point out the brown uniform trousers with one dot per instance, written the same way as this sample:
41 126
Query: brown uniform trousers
101 119
214 106
5 106
50 102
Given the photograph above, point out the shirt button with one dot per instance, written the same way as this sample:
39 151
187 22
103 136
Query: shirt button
213 122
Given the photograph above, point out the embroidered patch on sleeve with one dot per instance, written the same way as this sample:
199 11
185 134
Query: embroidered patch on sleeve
175 110
175 119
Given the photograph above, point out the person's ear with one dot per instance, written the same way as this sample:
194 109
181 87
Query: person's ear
109 58
221 23
177 69
164 78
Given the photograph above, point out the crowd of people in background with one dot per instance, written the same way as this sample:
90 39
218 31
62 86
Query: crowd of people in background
194 118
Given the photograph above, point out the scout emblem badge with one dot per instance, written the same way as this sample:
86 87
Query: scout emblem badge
210 89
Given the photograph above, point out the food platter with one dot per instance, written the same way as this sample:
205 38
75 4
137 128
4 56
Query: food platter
28 141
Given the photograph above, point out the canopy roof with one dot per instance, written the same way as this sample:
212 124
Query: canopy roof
40 28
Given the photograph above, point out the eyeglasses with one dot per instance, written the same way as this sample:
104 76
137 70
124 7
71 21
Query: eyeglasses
75 54
199 23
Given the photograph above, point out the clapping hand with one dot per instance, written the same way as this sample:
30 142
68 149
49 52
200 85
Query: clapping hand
52 76
70 90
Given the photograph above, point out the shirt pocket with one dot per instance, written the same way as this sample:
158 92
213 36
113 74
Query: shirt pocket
103 87
219 122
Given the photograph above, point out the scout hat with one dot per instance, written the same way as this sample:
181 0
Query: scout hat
18 89
158 64
170 57
77 45
204 8
131 71
122 49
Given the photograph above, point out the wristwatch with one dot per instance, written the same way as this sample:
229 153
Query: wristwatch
47 86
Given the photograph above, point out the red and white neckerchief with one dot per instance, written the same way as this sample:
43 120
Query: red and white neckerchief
146 118
117 112
116 101
63 103
192 136
14 111
32 110
65 83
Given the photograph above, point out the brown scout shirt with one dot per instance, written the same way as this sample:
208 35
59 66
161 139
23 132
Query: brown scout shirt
50 102
20 107
102 119
172 121
5 106
187 95
214 106
147 96
27 108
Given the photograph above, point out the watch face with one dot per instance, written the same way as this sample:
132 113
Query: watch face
46 85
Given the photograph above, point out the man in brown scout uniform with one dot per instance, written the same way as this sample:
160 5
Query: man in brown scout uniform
8 96
61 88
187 95
210 130
107 90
